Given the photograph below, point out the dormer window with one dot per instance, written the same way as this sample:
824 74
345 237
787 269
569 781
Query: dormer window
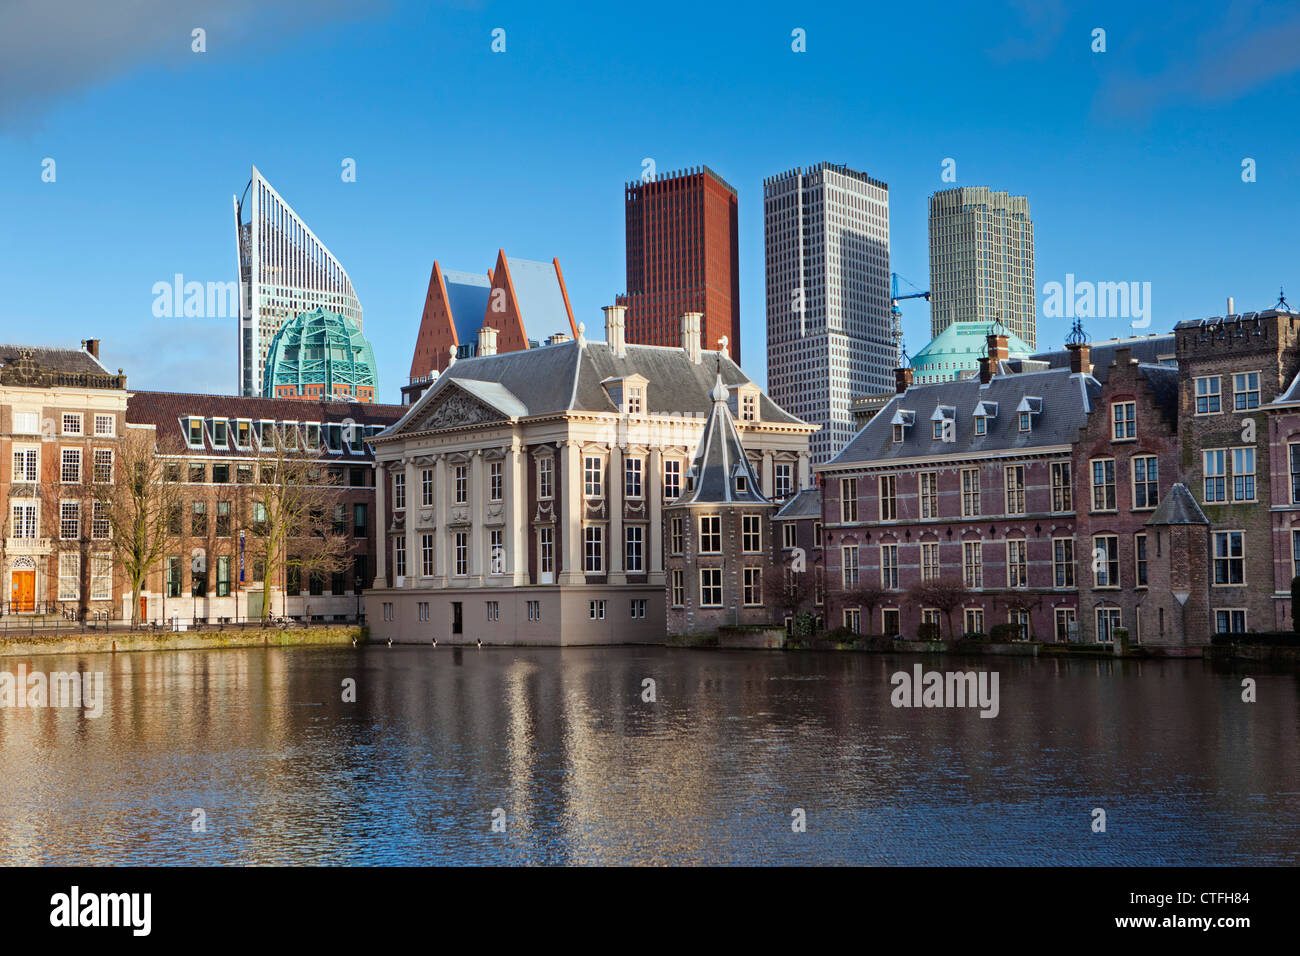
1024 421
741 479
943 423
981 425
902 420
983 412
194 432
220 433
748 404
243 433
741 484
1028 407
635 400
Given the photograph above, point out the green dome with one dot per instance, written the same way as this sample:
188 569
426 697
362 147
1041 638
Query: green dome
957 349
318 354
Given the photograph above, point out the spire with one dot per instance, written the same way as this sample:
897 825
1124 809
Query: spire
721 470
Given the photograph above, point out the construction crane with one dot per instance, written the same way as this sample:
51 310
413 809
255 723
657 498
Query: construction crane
896 314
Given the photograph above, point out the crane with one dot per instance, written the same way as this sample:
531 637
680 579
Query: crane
895 313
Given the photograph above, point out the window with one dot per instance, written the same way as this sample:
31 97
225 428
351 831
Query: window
929 560
1146 482
244 474
753 587
1065 626
1103 484
789 536
460 476
1024 421
69 577
220 437
973 620
972 564
1017 564
890 621
1230 620
981 425
930 615
199 473
399 556
633 535
675 535
852 619
100 529
103 467
594 549
632 477
70 470
1108 620
69 520
426 487
173 576
545 478
72 424
752 534
359 519
1105 561
784 474
546 546
493 610
27 464
1140 559
678 589
849 565
460 554
534 610
495 481
710 534
426 555
1243 474
889 566
635 400
496 551
637 607
710 587
1295 473
194 432
596 610
1207 395
220 473
898 433
592 472
672 480
1245 391
1063 562
848 500
817 534
27 423
888 498
1229 557
101 577
1062 497
199 518
422 610
1216 475
1014 478
1123 420
388 610
929 491
748 408
742 483
399 491
970 492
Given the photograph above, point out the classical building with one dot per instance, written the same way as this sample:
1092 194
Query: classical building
508 300
214 447
982 261
826 252
318 354
284 271
61 419
522 496
683 255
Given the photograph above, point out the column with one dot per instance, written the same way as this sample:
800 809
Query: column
570 525
805 477
655 491
478 534
516 490
380 521
614 500
440 493
769 475
412 539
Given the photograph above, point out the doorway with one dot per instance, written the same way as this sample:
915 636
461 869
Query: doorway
22 594
456 617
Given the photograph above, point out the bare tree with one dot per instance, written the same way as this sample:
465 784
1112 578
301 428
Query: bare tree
787 590
137 507
868 597
946 594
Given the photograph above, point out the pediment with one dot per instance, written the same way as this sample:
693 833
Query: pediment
455 407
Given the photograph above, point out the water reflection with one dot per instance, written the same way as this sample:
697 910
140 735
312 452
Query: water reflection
587 772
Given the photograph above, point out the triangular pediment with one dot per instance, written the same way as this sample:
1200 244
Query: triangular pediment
453 407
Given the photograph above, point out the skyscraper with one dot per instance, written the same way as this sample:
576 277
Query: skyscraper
682 256
284 271
982 261
826 238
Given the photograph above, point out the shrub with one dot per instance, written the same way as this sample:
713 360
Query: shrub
929 631
974 636
1004 633
841 635
804 624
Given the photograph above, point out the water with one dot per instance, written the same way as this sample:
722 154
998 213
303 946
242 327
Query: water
586 772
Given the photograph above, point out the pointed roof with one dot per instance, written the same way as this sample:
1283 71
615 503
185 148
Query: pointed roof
1179 507
720 459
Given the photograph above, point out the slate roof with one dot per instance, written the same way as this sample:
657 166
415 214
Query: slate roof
1163 381
567 376
1291 396
806 504
467 296
538 294
55 359
1147 349
719 459
1178 507
1065 401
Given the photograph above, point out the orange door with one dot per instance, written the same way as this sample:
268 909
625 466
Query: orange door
144 608
23 591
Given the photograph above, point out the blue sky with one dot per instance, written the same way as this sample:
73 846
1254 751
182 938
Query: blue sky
1131 158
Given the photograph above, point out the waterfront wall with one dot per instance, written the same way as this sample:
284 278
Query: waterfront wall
112 640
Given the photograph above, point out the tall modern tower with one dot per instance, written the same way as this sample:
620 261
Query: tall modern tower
682 256
284 271
982 261
826 238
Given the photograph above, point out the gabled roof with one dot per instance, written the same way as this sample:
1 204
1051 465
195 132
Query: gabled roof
1163 382
1147 349
467 297
1065 400
806 504
720 459
53 359
539 295
1179 507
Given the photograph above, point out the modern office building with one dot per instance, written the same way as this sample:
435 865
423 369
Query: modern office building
982 261
284 270
683 256
826 233
320 354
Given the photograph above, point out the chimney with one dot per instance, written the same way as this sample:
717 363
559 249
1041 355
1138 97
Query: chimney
1080 358
986 369
487 341
1230 309
557 338
91 346
615 330
902 379
1123 356
691 335
997 349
